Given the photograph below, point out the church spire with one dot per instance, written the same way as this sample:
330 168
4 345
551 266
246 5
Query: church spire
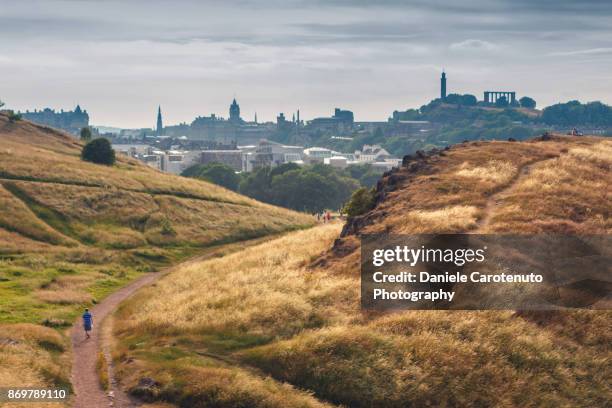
160 126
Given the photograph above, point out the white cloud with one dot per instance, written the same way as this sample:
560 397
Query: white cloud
590 51
474 45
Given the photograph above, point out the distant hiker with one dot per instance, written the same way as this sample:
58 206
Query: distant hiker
87 322
328 216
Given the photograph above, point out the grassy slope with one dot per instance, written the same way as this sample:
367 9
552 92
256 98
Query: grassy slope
72 232
274 315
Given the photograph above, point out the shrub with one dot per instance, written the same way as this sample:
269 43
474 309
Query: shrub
14 117
99 151
361 202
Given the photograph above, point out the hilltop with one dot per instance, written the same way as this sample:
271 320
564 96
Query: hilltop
285 328
548 184
72 232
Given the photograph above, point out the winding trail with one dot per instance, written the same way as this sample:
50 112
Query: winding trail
85 381
496 198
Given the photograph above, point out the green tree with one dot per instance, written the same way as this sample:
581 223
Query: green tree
304 191
574 113
217 173
361 202
501 102
257 185
527 102
469 100
309 188
98 151
1 104
283 168
379 134
86 134
365 173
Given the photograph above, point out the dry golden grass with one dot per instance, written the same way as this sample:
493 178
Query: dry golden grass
102 370
230 387
63 296
496 171
261 290
257 309
258 294
568 194
440 359
15 216
457 217
229 306
600 153
26 356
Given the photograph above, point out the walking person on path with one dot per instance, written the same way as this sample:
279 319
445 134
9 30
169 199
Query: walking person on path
87 322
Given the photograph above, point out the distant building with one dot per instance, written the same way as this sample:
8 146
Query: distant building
234 113
132 150
231 158
282 124
345 116
377 157
314 155
176 162
339 162
493 96
372 153
70 121
270 154
342 121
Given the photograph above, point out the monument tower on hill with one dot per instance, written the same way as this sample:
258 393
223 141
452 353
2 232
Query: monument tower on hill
160 126
443 86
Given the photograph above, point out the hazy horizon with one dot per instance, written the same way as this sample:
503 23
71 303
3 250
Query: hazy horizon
120 61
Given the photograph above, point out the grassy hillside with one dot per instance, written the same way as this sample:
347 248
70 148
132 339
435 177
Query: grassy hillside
72 232
286 320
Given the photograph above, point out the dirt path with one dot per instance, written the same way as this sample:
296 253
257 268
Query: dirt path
495 199
85 381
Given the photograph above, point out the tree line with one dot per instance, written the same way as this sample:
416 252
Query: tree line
312 188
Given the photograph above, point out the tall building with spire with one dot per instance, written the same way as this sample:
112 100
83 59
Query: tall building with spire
443 86
234 112
160 126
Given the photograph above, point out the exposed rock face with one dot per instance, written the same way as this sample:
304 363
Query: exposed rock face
390 181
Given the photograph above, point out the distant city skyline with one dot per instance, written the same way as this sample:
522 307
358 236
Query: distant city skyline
121 60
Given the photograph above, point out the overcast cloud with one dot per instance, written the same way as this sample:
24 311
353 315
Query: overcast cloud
119 59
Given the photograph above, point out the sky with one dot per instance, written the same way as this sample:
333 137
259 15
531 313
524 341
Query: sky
120 60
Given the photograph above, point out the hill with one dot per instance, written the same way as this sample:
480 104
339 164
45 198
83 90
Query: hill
286 322
71 232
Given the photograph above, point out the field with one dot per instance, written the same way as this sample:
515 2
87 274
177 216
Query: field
279 324
72 232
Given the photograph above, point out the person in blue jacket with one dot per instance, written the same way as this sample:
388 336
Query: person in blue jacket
87 322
